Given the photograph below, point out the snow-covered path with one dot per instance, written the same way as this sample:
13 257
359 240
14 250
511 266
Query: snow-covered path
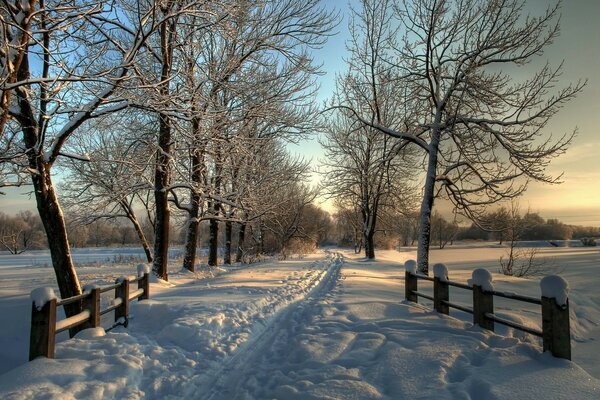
354 339
325 327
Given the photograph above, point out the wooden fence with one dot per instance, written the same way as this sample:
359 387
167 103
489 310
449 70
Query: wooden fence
44 325
555 333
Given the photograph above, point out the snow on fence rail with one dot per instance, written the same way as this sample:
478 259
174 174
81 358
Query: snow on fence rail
44 325
555 333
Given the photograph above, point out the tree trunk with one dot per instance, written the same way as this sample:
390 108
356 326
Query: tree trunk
259 240
142 237
58 242
369 246
47 203
213 243
191 237
163 157
228 232
427 205
161 183
240 247
191 243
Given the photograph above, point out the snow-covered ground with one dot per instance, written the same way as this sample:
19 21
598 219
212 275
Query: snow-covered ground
329 326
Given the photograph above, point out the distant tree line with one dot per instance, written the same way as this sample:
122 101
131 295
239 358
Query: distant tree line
299 234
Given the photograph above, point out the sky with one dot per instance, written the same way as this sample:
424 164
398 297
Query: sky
577 199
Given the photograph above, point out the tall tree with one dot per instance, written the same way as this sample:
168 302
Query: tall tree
478 125
75 58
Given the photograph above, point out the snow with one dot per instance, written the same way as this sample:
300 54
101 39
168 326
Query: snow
143 269
440 271
555 287
90 333
136 293
483 278
75 319
328 326
41 296
411 266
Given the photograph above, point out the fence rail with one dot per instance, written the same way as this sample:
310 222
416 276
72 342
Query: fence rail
44 325
555 333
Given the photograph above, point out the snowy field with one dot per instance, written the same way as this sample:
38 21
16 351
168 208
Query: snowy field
328 326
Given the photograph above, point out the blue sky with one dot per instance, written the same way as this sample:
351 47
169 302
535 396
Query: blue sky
577 200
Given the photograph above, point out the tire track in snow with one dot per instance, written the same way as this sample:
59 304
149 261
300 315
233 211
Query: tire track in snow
229 381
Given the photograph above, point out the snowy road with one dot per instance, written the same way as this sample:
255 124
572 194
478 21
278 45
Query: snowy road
325 327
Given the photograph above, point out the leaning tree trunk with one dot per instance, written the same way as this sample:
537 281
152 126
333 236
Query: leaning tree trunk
58 242
427 205
143 240
138 229
47 203
228 234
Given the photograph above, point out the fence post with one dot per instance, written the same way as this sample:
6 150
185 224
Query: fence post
441 290
556 329
122 291
483 302
410 286
43 330
410 281
92 303
144 283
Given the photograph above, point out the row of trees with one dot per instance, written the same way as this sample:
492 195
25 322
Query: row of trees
155 104
432 85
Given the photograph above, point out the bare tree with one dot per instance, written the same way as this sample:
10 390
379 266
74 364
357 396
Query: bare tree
250 76
520 261
76 56
478 126
116 180
365 170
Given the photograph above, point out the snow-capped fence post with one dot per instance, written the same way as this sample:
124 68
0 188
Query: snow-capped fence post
144 283
122 292
43 330
441 292
483 298
556 329
92 303
143 273
411 281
